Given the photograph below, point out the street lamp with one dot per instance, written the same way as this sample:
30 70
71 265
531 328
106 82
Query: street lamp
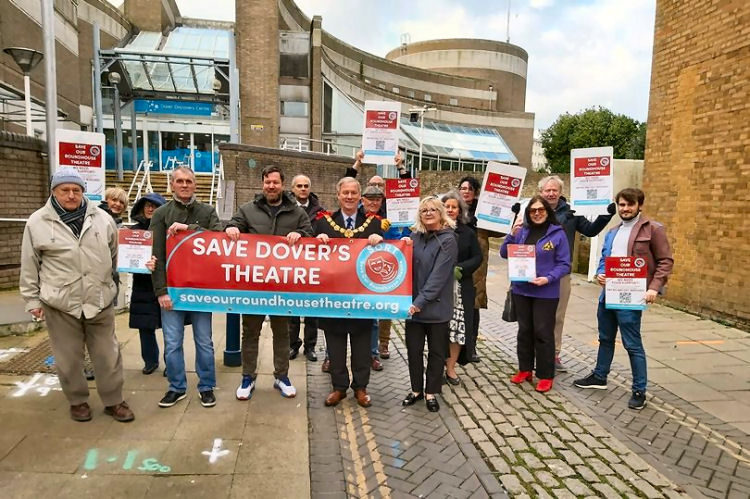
114 79
418 113
27 59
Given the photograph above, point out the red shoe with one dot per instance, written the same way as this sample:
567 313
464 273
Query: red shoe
544 385
521 376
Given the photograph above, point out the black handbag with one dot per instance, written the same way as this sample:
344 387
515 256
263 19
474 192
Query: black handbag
509 311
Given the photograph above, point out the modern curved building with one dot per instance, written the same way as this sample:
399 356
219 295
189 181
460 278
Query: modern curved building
296 85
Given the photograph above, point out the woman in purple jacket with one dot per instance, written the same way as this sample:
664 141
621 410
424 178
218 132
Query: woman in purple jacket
535 301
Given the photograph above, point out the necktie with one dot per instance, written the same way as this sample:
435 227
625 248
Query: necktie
349 223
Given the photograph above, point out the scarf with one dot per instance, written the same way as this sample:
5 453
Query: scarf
73 219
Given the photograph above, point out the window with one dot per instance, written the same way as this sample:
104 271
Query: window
411 94
294 65
381 86
453 101
396 90
294 108
427 97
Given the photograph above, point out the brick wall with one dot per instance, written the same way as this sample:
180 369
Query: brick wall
243 165
697 163
25 179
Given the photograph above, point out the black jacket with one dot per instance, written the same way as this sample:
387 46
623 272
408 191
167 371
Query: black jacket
433 260
572 223
144 307
469 253
313 206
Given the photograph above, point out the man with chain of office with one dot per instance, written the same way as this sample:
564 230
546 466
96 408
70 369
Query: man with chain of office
350 223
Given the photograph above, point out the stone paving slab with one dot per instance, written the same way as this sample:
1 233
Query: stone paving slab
261 444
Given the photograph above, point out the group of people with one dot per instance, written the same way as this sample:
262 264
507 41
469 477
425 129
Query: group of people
69 278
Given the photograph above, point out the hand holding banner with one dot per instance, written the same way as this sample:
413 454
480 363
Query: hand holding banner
265 275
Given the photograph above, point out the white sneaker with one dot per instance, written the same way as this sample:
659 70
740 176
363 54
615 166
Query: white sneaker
285 387
245 390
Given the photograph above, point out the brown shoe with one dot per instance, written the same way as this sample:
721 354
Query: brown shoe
376 364
80 412
121 412
326 366
335 397
383 351
362 398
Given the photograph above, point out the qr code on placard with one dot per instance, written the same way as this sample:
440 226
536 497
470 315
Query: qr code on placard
136 263
496 211
625 297
380 145
403 216
590 193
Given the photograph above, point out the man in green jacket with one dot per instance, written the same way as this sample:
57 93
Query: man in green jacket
183 212
68 264
273 212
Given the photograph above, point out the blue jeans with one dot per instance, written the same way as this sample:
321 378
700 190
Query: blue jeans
374 340
173 325
629 322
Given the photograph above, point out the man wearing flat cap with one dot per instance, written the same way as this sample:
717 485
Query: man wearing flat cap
68 268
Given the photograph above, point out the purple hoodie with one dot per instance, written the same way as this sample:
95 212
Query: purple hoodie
552 261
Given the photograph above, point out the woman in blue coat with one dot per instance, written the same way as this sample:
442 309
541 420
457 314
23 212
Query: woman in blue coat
536 301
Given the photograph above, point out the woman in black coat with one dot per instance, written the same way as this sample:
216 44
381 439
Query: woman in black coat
145 314
469 260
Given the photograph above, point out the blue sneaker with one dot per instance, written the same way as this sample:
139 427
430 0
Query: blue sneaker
285 387
245 390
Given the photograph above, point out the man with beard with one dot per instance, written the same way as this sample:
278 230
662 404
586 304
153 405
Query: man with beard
276 213
350 223
307 200
635 236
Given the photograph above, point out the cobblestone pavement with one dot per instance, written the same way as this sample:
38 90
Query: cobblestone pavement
387 450
488 432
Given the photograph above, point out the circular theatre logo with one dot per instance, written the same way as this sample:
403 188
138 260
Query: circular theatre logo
604 161
95 150
639 262
381 268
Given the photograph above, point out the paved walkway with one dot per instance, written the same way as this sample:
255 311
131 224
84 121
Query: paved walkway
490 438
259 447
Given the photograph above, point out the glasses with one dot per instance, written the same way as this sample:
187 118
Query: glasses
428 210
302 186
466 189
537 210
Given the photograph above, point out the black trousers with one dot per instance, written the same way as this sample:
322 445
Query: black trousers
437 335
311 333
472 332
536 334
358 332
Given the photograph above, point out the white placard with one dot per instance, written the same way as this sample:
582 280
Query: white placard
521 262
83 151
625 282
380 132
134 250
402 201
591 181
501 189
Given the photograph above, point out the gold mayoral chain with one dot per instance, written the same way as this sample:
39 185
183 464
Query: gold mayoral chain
349 233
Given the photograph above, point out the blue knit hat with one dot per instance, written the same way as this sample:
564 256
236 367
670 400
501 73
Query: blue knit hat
67 176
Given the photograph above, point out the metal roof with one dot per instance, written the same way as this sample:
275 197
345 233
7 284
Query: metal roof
458 141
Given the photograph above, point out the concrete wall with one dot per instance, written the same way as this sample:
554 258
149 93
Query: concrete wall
25 177
698 152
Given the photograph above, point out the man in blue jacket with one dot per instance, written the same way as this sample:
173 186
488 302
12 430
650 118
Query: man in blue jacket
635 236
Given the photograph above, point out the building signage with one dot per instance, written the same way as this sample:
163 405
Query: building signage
152 106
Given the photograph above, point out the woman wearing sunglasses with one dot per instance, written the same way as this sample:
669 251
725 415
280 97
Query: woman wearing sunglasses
435 250
536 300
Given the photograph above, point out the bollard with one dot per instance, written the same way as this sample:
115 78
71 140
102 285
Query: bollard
232 352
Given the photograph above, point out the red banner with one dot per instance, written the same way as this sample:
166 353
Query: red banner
265 275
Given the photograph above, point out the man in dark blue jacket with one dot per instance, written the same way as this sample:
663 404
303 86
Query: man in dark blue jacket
551 189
